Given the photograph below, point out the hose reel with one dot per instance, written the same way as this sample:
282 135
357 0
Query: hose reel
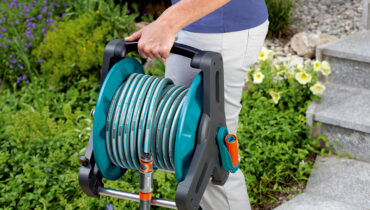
181 128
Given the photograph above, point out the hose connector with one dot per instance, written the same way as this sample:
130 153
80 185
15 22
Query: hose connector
146 180
231 142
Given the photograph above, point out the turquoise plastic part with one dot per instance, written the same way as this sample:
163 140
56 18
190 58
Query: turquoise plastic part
116 76
226 160
185 131
187 128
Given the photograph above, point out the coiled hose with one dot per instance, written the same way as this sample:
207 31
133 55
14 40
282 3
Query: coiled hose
143 117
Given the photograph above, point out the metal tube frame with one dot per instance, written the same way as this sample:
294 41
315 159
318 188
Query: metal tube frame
135 197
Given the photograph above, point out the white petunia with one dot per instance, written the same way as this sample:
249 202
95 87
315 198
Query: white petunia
303 77
325 68
258 77
275 96
263 54
317 66
317 89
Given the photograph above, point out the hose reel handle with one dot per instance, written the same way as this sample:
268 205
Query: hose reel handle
177 48
119 48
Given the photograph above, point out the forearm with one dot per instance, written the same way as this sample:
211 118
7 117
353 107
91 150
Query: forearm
186 12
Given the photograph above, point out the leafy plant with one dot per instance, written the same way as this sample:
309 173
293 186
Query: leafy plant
121 19
279 16
85 36
275 144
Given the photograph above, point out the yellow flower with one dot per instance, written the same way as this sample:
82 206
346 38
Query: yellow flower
97 11
316 65
303 77
258 77
275 96
263 54
317 89
84 48
325 68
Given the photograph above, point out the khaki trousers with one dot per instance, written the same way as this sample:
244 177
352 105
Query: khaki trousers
239 51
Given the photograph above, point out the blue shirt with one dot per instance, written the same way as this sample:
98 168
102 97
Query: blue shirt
236 15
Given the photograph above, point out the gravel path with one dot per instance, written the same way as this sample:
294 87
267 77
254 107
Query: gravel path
335 17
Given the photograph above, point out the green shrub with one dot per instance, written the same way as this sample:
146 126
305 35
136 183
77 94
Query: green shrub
279 16
76 48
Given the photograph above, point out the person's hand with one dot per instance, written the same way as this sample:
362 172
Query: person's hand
155 40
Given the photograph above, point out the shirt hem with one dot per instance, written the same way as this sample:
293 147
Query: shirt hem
221 28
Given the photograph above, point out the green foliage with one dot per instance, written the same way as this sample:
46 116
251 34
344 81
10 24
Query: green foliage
86 37
42 133
273 136
279 16
157 69
117 15
274 145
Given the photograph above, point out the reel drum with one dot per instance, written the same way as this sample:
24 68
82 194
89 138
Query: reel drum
175 143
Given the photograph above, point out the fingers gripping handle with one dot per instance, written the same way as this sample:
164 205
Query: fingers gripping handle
118 49
177 48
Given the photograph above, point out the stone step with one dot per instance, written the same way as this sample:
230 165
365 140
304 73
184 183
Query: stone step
335 183
309 201
349 58
344 114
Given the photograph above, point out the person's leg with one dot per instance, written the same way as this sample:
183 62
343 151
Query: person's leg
239 50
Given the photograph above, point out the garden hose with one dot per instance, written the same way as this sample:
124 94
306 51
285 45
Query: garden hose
143 118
